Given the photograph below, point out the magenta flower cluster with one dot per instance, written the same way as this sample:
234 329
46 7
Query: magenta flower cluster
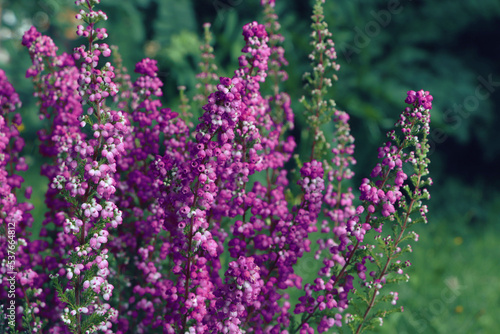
161 223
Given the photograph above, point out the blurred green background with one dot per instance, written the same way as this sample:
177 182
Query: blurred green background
385 48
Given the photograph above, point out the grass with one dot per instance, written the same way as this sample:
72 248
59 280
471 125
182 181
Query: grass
454 278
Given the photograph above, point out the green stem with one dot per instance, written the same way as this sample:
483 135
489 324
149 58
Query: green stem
389 259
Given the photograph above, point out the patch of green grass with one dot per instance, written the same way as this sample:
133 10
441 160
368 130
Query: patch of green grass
454 278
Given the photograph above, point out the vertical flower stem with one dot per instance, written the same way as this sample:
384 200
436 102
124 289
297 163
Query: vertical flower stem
190 242
389 259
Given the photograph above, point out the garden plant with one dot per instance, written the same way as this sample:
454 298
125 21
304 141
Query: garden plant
192 219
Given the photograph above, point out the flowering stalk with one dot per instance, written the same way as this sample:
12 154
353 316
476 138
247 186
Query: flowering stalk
347 254
409 147
279 101
141 175
383 200
122 81
84 178
336 203
17 263
317 109
56 86
207 78
228 118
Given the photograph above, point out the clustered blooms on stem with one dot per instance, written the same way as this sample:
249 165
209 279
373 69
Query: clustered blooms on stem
15 218
241 290
346 252
144 218
208 76
84 168
210 183
145 214
319 111
385 194
330 291
55 80
396 200
88 173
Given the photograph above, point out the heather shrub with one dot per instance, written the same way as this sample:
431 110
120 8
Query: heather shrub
193 218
